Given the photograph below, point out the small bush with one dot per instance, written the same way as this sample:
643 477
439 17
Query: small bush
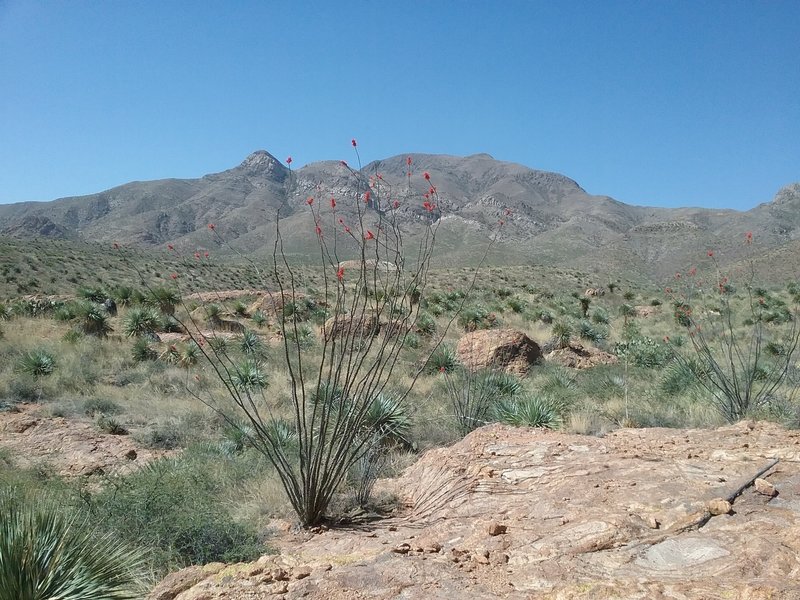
166 436
643 352
528 411
141 321
46 553
36 363
96 406
111 425
443 360
142 351
426 324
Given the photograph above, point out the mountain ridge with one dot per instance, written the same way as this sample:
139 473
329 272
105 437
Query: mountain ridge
551 217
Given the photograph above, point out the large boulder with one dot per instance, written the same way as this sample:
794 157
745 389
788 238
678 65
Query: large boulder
578 356
506 349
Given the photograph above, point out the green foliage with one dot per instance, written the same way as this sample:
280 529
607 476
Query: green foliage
643 352
562 332
517 304
142 351
46 553
259 318
36 363
304 336
680 376
595 334
164 299
92 319
442 360
476 317
5 312
426 324
175 507
165 436
249 375
527 411
600 316
473 395
98 406
141 321
111 425
250 343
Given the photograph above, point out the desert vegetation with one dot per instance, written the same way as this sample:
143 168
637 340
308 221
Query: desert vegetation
276 389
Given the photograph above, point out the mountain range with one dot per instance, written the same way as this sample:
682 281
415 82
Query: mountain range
548 218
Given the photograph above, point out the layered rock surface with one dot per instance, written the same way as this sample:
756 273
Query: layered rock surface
519 513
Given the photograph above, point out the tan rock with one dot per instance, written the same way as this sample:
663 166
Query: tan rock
719 506
496 528
506 349
765 488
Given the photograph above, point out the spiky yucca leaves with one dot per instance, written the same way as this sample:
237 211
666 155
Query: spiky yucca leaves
164 298
45 555
141 321
472 395
92 319
527 411
37 363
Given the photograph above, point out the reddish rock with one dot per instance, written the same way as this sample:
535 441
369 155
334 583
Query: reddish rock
506 349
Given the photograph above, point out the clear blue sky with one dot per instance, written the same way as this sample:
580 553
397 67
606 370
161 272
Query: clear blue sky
668 103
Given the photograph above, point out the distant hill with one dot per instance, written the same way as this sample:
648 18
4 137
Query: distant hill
551 220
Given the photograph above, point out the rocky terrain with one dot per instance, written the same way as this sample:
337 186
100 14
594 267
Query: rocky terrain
520 513
549 219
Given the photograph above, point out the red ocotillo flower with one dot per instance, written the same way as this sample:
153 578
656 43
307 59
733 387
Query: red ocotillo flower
206 254
369 235
318 229
333 202
710 253
197 256
116 246
396 203
346 229
427 175
170 247
340 273
211 226
409 161
174 275
310 201
289 160
427 206
343 163
353 141
693 271
366 197
748 237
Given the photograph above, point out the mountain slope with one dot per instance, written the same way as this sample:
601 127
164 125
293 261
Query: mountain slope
549 219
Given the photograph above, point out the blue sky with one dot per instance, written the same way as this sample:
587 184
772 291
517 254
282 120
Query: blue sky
666 103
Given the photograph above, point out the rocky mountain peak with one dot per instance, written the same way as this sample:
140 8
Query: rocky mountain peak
789 194
261 162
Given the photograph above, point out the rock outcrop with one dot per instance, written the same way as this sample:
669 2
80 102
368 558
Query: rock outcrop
521 514
506 349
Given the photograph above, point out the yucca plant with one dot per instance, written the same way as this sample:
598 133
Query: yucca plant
37 363
5 312
141 321
45 554
527 411
249 375
250 343
142 351
164 298
92 319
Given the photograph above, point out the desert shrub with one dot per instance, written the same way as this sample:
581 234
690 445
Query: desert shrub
680 376
473 395
165 436
600 316
412 341
5 312
527 411
259 318
92 294
92 319
48 553
141 321
250 343
476 317
562 332
165 299
26 388
110 425
442 360
426 324
643 352
176 509
73 336
517 304
589 332
249 375
36 363
240 309
303 336
96 406
142 351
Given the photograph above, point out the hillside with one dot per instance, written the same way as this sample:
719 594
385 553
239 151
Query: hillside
552 220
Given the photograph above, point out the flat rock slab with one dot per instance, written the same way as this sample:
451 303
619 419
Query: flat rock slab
624 516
